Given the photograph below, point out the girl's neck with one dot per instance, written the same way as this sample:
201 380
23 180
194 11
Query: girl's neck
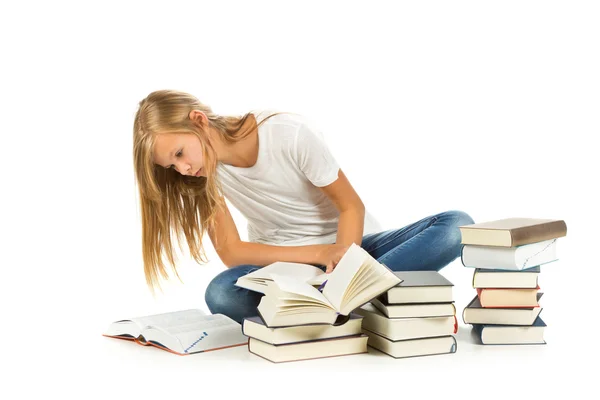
243 153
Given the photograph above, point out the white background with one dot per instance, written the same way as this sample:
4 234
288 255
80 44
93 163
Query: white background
486 107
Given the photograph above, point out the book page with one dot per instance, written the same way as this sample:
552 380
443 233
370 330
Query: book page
170 319
341 277
204 333
298 271
293 286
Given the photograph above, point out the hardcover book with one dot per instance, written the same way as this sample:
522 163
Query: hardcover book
256 328
180 332
406 328
505 298
414 310
412 347
510 334
474 313
420 287
309 350
501 278
512 232
357 279
509 258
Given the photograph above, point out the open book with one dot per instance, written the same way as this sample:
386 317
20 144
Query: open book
180 332
258 280
357 279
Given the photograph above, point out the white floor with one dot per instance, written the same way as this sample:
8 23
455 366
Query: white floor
76 361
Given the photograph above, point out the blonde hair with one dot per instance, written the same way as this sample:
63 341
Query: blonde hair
171 202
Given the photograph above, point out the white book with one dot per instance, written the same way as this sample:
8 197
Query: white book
357 278
509 258
180 332
406 328
412 347
259 280
341 346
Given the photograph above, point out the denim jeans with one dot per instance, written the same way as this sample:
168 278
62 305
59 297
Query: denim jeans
426 245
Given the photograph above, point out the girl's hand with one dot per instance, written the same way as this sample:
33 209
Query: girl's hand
331 255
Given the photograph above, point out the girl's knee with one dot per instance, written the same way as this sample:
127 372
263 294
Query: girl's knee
459 218
218 295
453 238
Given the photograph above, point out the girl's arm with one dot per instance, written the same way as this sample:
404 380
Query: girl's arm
233 252
352 210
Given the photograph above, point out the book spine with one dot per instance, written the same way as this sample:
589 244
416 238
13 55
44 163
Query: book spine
454 346
538 233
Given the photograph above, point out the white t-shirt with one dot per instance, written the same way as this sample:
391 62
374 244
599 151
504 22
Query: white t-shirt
280 195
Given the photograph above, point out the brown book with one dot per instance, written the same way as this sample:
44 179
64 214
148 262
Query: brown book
512 232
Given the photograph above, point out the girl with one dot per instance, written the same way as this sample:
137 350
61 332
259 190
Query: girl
278 172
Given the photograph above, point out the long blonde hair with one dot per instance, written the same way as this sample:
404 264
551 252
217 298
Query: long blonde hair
171 202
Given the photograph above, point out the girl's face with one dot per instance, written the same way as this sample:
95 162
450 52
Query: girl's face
180 151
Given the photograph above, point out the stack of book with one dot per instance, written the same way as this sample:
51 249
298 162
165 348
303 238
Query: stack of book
506 256
304 341
417 317
307 314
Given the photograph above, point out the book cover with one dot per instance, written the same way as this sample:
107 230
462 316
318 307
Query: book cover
413 310
512 232
420 287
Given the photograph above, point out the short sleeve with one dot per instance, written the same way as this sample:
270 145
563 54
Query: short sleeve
314 158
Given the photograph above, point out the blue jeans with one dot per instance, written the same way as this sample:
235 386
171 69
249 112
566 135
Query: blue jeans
426 245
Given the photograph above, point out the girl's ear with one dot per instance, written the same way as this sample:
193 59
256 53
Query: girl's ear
198 116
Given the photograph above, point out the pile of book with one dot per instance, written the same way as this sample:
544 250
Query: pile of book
506 256
415 318
306 314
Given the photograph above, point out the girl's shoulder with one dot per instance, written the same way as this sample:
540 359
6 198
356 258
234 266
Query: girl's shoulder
278 116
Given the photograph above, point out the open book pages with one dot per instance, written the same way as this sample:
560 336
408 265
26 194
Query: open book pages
289 302
258 280
357 278
180 332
